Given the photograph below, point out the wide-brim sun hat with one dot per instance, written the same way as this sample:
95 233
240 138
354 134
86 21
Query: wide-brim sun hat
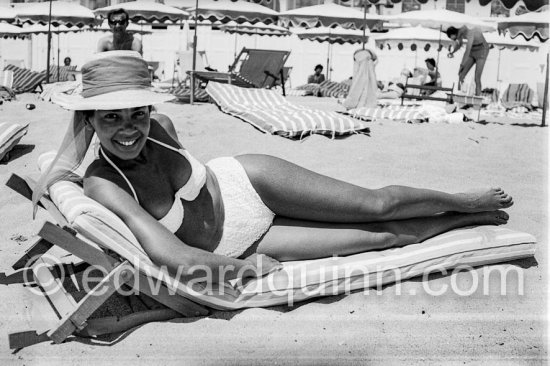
113 80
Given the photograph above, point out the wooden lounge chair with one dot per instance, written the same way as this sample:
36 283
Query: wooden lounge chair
253 68
93 235
409 95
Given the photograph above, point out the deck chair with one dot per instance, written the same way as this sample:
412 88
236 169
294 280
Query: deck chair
10 135
25 80
61 73
6 79
253 68
98 237
413 91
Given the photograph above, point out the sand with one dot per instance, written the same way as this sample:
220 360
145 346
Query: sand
381 327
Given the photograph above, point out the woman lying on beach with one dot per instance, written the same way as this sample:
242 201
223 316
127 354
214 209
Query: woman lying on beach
234 211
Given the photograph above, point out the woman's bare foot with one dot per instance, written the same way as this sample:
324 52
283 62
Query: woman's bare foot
497 217
485 200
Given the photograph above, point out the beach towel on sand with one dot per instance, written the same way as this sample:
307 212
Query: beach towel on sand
407 114
270 112
517 95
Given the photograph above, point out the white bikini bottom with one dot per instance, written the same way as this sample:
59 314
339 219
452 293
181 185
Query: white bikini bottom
247 218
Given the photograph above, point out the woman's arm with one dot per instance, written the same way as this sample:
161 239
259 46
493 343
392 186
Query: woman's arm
164 248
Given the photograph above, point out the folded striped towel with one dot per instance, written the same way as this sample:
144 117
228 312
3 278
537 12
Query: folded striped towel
25 80
270 112
405 113
333 89
517 95
10 135
183 94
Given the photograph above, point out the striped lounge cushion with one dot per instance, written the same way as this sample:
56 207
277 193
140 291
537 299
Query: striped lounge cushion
10 135
298 280
406 113
333 89
183 94
25 80
270 112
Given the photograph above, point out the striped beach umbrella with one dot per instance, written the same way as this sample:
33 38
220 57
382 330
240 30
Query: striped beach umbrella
146 12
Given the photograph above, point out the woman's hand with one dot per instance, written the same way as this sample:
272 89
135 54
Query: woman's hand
263 264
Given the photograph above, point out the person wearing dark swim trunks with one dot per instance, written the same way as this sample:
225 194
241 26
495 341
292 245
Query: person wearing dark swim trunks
476 52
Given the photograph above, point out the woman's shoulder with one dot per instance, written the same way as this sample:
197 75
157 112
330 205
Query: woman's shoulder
162 129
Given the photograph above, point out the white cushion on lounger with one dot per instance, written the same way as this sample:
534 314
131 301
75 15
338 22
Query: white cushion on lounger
300 280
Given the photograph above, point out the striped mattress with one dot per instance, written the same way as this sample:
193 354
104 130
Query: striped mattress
10 135
298 280
271 113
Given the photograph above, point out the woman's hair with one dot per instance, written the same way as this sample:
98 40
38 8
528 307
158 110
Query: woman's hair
451 31
430 61
318 67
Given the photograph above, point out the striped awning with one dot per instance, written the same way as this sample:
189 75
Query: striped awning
256 29
333 35
527 25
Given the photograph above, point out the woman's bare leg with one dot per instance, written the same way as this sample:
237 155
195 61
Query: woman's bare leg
290 239
291 191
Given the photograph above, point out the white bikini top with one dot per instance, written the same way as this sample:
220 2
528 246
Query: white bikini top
189 191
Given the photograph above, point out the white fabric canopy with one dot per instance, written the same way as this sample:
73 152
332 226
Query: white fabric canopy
239 11
62 13
422 34
329 15
7 14
440 18
146 11
332 35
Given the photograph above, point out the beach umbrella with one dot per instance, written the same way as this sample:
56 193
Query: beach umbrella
70 14
330 15
54 13
237 11
146 12
439 19
528 26
258 29
332 36
7 14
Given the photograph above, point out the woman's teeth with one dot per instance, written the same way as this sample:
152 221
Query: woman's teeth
127 143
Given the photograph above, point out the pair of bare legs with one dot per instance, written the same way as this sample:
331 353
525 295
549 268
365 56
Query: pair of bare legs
470 62
318 216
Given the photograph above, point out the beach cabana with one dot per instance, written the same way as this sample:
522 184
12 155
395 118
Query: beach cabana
529 26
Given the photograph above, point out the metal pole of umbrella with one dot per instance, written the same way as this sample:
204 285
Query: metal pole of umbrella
192 79
58 35
49 44
545 97
438 51
498 66
364 23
